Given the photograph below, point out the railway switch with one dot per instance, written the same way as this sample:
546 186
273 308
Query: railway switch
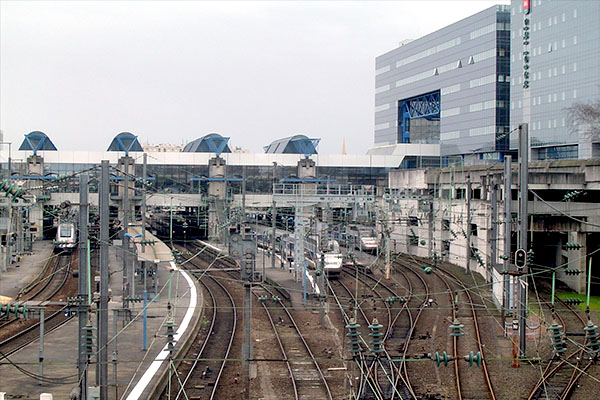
456 328
557 337
376 334
591 336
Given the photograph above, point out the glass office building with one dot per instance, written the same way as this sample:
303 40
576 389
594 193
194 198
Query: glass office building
450 88
555 61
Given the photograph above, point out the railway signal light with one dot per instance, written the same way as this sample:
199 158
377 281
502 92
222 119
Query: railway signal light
557 338
520 258
572 246
591 336
572 271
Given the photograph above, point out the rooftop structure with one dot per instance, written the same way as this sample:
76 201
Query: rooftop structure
211 143
298 144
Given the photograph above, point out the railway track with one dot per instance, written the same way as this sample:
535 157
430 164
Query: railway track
474 390
389 378
200 373
18 333
306 378
559 378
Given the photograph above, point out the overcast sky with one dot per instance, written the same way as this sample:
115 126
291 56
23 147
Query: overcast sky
172 72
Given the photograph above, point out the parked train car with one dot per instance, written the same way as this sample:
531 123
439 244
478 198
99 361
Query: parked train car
66 237
355 236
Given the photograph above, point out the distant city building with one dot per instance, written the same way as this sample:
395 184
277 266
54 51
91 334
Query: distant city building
449 88
555 62
161 148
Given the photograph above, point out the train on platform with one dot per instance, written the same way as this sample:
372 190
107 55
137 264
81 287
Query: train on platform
66 237
332 256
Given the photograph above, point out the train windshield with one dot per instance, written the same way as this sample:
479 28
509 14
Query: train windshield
65 232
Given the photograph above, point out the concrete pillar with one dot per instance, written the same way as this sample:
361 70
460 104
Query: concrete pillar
216 194
126 165
35 167
577 260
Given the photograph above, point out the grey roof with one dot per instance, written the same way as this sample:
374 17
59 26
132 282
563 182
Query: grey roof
211 143
297 144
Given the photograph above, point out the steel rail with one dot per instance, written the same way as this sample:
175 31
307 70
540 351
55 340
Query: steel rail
51 322
209 335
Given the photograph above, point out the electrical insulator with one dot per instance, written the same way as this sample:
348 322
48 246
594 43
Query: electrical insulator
572 271
354 336
456 329
440 358
376 334
473 358
592 346
557 338
89 339
170 340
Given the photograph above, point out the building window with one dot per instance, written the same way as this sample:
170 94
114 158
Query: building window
563 69
574 67
574 13
574 93
445 225
563 43
563 17
382 107
382 89
555 20
563 96
473 229
575 39
554 97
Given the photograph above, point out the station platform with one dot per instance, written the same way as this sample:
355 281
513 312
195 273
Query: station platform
21 273
132 372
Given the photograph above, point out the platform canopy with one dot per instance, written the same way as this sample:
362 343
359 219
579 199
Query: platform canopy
37 141
126 142
298 144
211 143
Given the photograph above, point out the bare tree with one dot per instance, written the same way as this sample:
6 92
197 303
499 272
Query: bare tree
587 117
